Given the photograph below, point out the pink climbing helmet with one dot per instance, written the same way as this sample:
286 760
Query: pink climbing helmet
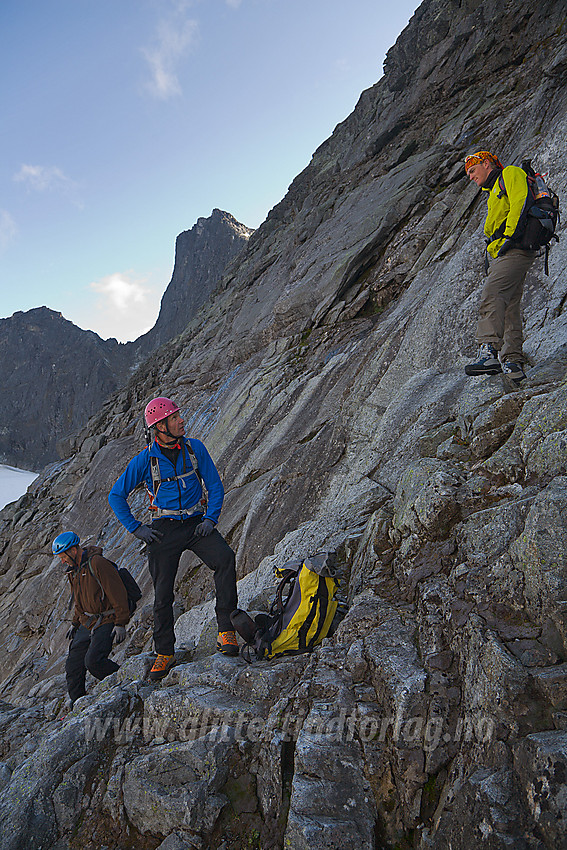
159 408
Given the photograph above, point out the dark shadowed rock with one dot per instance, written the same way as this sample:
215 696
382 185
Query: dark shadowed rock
57 376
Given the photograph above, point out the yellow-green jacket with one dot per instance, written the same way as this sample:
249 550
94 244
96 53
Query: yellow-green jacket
510 208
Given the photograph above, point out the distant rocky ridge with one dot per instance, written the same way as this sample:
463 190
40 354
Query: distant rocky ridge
327 382
56 375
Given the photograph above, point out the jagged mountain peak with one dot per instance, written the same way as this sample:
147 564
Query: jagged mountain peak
201 256
58 372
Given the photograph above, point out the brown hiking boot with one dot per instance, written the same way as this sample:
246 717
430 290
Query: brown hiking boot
162 666
227 643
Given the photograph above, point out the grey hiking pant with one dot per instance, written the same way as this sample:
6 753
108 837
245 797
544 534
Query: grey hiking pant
500 321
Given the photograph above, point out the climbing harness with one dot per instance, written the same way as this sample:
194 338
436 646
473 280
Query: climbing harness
157 481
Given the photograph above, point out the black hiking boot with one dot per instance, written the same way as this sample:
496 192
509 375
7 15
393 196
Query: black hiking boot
487 362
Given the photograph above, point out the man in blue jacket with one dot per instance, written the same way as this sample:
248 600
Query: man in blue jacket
172 468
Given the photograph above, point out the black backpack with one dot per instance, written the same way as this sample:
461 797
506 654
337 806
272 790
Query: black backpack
541 215
132 587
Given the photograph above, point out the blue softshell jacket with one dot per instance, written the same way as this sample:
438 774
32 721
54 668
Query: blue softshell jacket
175 495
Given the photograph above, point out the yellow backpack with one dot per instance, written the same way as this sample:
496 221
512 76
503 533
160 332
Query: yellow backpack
300 615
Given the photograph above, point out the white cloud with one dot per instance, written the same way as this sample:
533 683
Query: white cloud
8 229
174 38
120 292
40 177
48 178
126 306
234 4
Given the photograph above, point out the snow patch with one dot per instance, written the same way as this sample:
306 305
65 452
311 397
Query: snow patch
14 483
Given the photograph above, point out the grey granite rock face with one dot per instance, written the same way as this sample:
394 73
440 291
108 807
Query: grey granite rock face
176 786
327 382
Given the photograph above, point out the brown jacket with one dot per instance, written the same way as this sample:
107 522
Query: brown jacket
88 596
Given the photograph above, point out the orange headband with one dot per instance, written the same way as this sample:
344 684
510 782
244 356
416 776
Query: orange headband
480 156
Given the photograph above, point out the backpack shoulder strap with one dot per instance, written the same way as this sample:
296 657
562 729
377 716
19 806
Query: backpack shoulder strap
156 474
527 167
191 451
193 459
96 578
529 180
288 578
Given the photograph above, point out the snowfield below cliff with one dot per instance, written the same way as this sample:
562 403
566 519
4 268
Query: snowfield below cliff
13 483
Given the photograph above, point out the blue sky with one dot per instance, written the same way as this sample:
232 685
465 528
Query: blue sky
124 121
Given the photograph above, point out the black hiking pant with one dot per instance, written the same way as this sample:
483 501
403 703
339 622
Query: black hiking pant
89 650
163 561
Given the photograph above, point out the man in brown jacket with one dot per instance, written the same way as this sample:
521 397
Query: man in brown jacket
101 611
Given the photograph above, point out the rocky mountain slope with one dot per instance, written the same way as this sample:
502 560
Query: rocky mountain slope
59 374
326 378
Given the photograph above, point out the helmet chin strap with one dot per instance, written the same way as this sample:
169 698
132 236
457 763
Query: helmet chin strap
75 565
160 439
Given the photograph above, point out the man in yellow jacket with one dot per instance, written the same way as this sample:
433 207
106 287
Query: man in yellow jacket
499 329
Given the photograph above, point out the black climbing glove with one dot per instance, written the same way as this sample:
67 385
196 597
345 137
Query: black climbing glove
205 528
147 534
72 632
119 634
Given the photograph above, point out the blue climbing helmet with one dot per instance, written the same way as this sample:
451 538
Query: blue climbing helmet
65 541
